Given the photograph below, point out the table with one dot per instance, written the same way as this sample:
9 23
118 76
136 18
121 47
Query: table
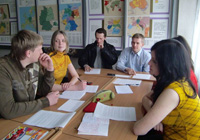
95 80
6 126
117 129
104 73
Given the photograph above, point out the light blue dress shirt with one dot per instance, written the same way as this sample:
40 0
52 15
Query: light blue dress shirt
136 61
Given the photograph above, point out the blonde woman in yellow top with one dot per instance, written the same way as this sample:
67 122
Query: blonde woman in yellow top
62 63
173 107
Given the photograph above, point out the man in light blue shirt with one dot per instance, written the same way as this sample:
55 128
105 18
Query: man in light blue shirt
134 58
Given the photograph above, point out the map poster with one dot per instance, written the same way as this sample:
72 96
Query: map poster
70 14
26 15
138 7
113 26
139 25
113 7
47 19
4 20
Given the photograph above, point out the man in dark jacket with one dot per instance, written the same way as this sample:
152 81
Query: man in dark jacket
99 54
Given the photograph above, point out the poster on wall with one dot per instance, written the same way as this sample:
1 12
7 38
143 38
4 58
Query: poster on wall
70 21
47 16
138 7
26 15
114 26
4 20
95 7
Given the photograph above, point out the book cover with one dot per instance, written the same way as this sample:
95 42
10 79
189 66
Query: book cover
26 133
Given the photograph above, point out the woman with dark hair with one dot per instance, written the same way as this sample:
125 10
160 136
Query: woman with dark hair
187 47
173 105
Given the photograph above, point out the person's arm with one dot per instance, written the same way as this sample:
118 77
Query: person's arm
109 54
83 58
166 102
15 102
145 67
77 87
46 78
147 102
121 63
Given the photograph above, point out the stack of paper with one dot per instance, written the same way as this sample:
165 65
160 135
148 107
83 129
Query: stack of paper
49 119
91 125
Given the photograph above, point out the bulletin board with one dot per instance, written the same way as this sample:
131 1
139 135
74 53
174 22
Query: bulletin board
44 17
80 19
123 18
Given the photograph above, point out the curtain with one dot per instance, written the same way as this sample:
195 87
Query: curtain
196 44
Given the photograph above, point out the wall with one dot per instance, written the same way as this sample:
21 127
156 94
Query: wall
186 19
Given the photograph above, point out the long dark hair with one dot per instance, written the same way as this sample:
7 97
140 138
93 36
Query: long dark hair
174 65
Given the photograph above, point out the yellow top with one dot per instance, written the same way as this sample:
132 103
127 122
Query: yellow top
183 123
60 64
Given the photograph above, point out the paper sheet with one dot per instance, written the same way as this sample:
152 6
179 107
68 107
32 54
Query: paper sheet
49 119
91 125
76 95
115 113
127 82
71 105
123 76
91 88
123 89
142 76
93 71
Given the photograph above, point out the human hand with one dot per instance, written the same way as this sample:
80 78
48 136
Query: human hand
65 86
130 71
46 62
101 46
87 68
81 85
53 97
159 127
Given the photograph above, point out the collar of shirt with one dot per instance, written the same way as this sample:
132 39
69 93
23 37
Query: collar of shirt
138 54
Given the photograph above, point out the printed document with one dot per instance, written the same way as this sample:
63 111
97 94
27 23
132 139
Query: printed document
93 71
123 76
91 125
115 113
142 76
71 105
76 95
123 89
91 88
49 119
127 82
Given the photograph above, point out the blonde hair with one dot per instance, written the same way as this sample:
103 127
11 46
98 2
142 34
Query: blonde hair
53 39
24 40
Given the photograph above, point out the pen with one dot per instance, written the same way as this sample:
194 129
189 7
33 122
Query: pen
110 74
79 79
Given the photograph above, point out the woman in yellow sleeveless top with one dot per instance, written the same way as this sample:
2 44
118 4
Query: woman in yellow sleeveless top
62 63
173 107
